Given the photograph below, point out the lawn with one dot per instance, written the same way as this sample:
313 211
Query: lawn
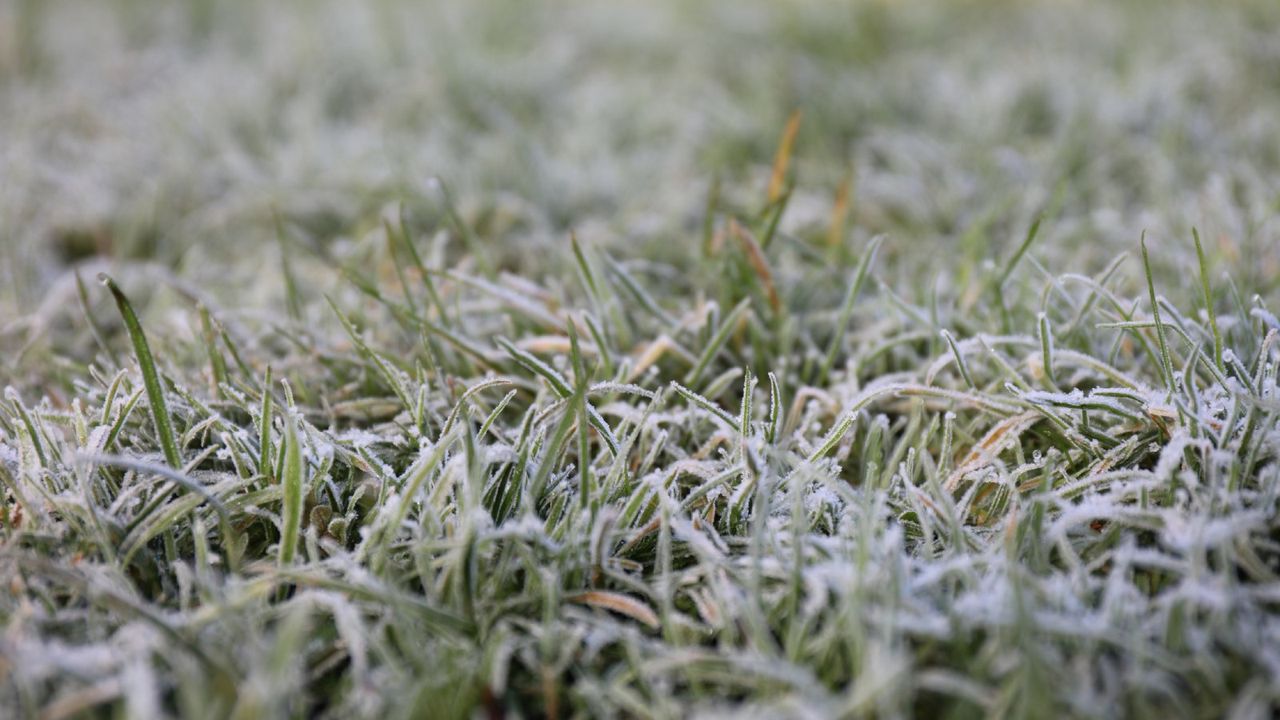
737 358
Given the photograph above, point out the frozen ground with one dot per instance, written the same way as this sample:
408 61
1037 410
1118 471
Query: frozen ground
882 422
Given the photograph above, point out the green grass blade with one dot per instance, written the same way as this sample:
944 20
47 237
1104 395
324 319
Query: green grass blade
1166 362
727 326
150 376
1208 302
293 481
846 308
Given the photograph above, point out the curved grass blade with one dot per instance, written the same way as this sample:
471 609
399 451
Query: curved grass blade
1208 303
1166 363
846 310
781 161
150 377
707 405
560 385
717 341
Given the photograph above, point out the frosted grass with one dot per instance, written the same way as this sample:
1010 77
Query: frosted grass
493 386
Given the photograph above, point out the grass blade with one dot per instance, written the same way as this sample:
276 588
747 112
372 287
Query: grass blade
1208 302
782 159
150 376
1166 363
293 480
846 308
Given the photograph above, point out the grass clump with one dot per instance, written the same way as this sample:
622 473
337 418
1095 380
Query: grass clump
910 432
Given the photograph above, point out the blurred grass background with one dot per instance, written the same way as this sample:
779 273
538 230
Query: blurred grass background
134 131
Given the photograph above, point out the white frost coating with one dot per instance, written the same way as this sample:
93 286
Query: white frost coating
358 437
9 454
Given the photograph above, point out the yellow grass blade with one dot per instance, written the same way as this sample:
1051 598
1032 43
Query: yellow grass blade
621 604
783 158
